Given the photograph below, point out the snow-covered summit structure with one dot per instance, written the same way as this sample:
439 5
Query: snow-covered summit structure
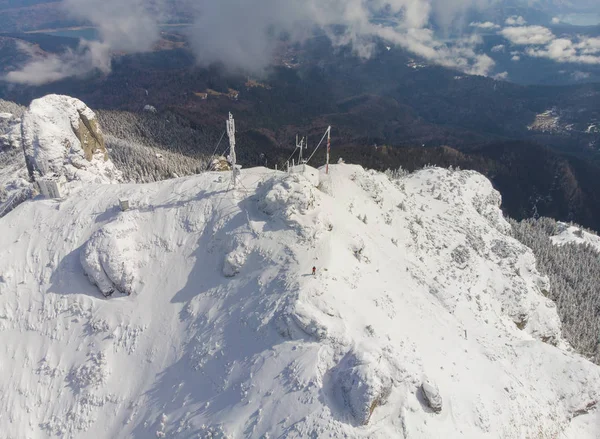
424 319
61 138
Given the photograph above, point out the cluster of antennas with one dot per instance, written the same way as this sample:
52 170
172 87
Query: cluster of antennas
301 145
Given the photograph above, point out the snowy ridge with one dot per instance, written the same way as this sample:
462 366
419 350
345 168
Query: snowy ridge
419 296
573 234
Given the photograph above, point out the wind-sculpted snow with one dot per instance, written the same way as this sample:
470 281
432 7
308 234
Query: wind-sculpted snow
424 318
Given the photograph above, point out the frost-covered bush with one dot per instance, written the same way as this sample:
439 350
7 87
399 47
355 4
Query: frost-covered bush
460 255
94 372
396 174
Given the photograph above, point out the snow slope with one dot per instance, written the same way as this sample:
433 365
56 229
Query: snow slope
572 234
419 293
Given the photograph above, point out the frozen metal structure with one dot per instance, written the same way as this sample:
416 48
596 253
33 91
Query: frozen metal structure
328 134
50 187
328 148
232 159
302 145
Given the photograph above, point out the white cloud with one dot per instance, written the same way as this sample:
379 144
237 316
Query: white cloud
44 68
242 34
501 76
584 50
485 25
515 21
555 20
527 35
498 48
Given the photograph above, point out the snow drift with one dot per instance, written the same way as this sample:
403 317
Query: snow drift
424 319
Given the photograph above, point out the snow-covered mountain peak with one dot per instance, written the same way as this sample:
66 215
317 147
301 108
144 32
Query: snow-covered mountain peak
424 318
61 138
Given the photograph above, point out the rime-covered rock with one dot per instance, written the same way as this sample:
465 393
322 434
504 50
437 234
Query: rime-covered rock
108 258
432 395
219 164
365 382
62 138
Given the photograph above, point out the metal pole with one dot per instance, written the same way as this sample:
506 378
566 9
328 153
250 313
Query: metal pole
231 133
328 148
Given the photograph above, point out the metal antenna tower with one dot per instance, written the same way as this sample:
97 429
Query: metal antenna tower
231 135
301 146
328 148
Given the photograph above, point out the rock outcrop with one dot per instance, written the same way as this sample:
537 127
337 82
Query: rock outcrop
61 138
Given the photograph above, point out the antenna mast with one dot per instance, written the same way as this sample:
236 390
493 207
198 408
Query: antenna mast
301 146
231 134
328 148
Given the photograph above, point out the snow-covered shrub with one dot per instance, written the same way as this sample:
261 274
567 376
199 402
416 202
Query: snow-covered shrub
460 256
396 174
94 372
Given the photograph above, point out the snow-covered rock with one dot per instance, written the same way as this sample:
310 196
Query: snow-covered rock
432 395
109 257
219 164
61 138
226 333
573 234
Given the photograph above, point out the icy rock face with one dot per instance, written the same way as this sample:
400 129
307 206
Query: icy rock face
61 137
